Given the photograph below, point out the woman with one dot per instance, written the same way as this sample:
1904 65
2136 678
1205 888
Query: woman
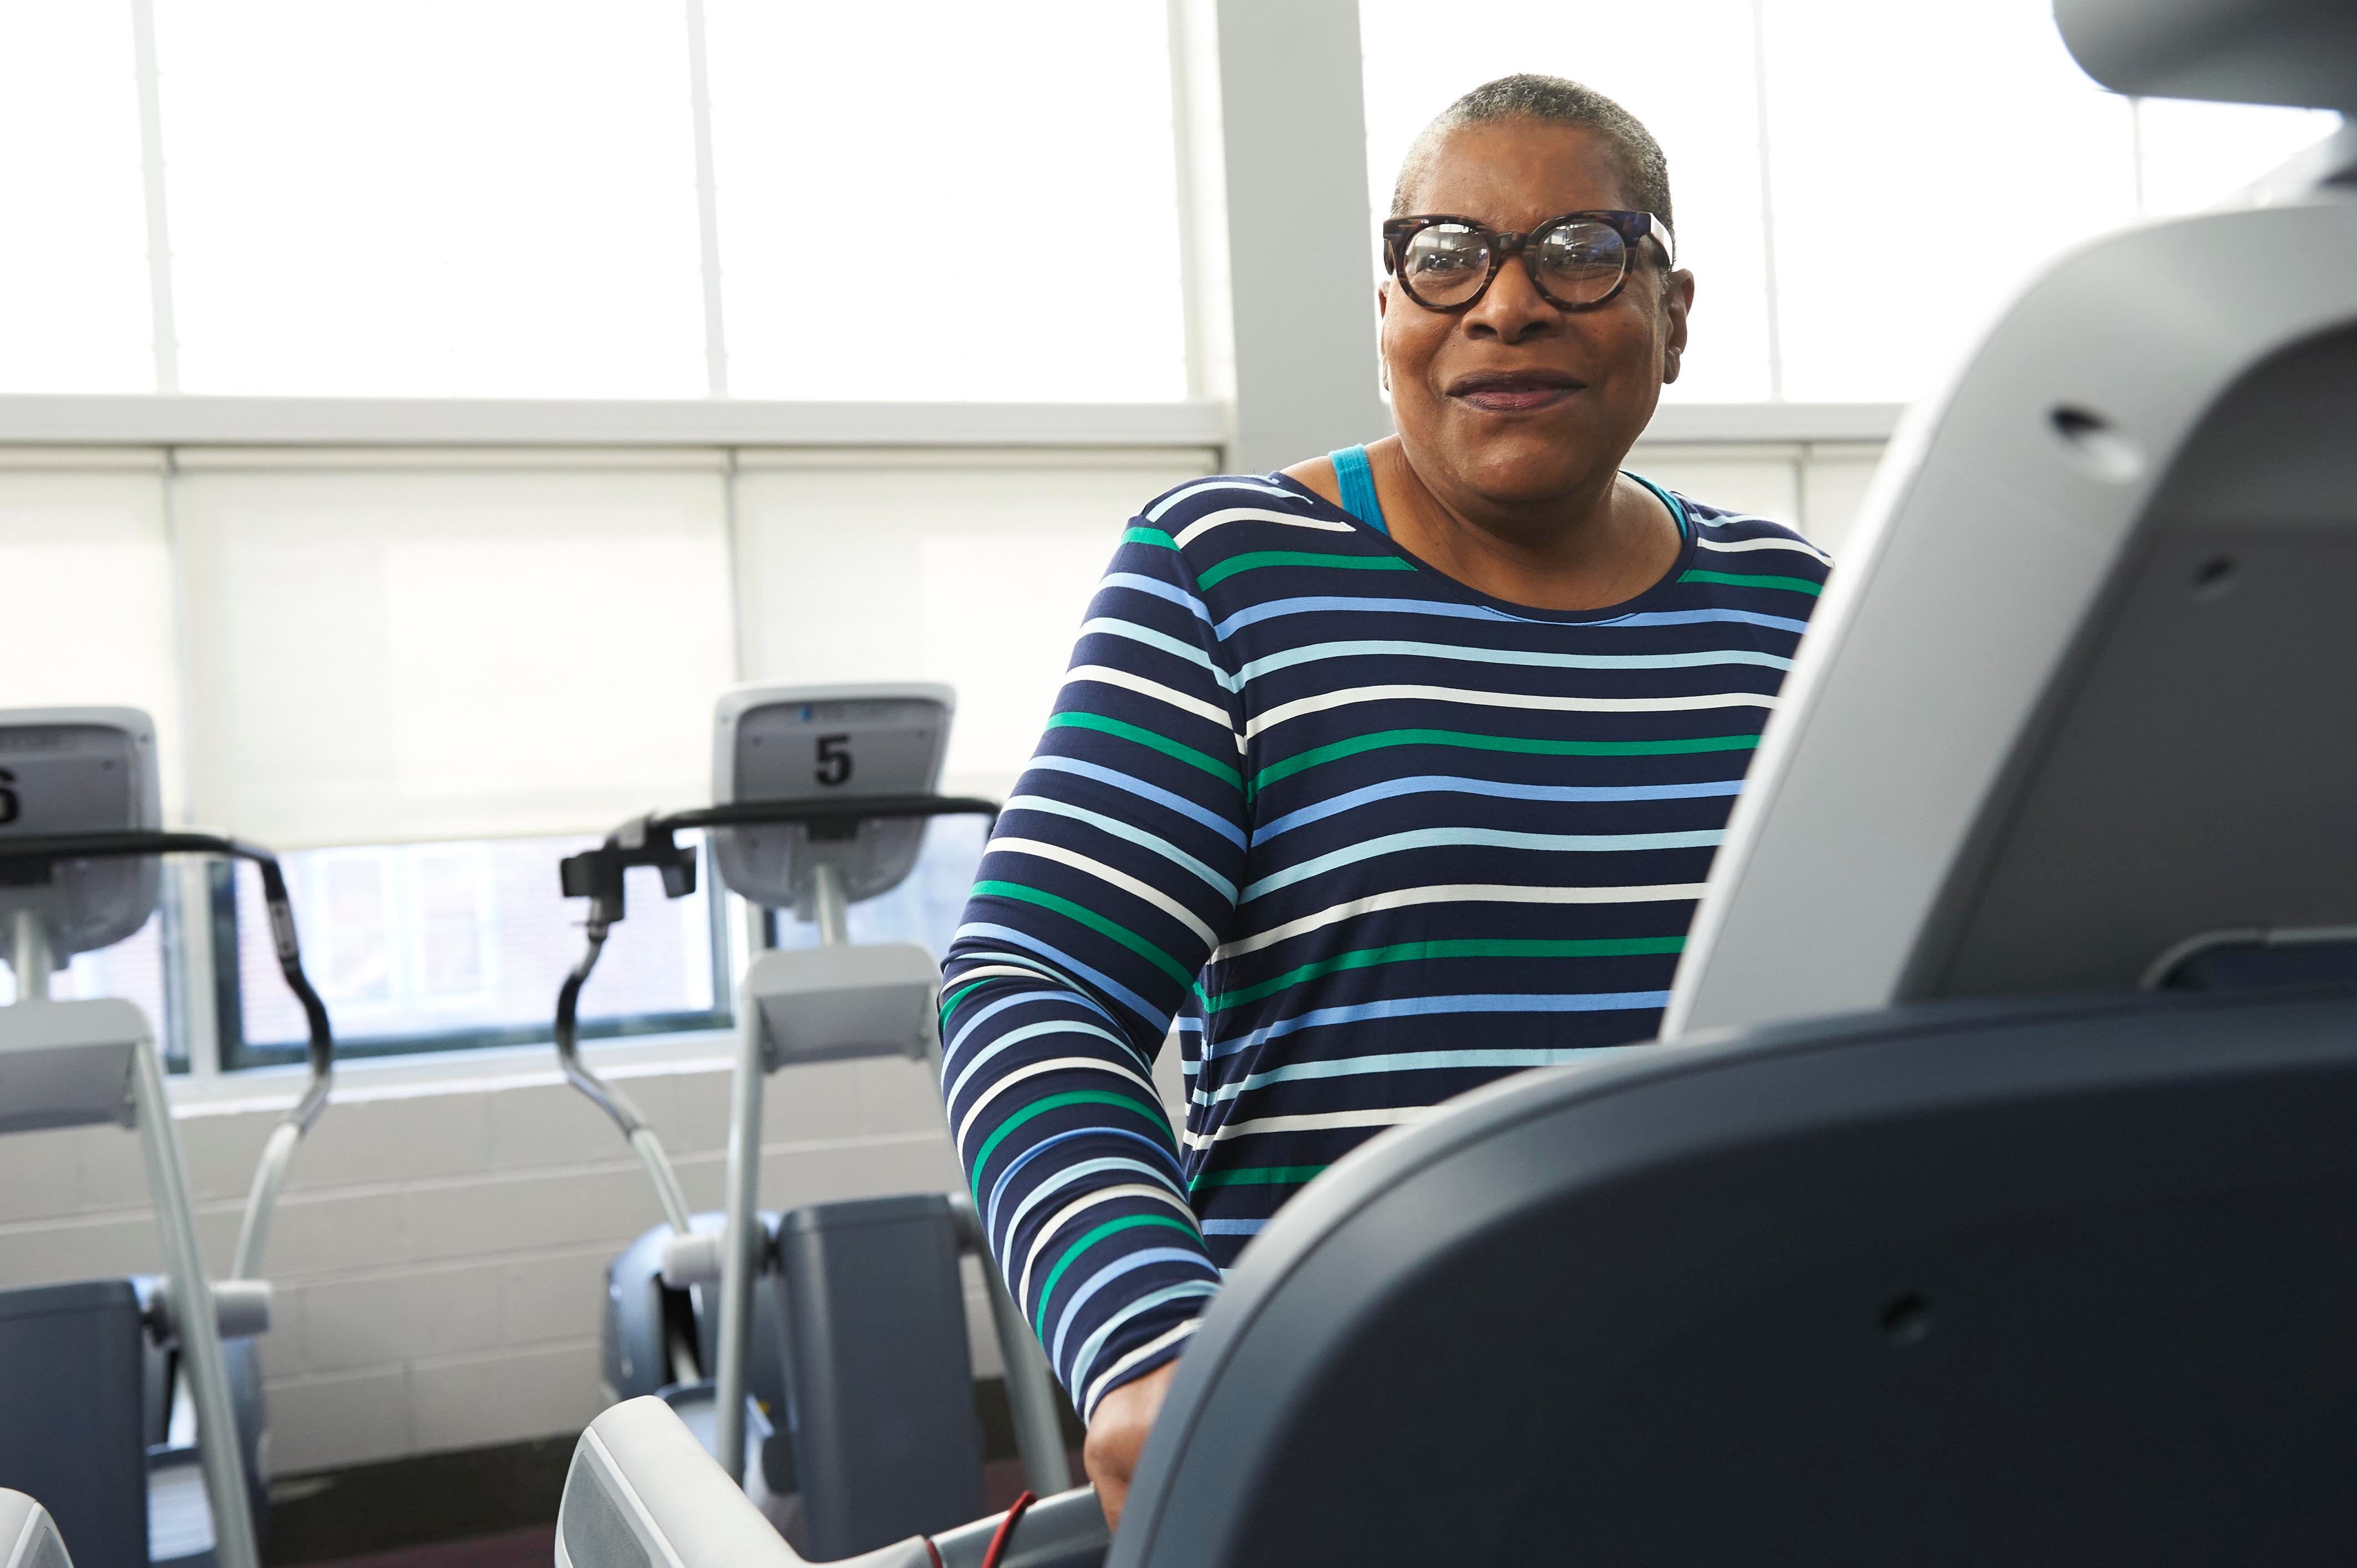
1379 778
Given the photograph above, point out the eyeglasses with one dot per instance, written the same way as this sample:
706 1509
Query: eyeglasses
1577 261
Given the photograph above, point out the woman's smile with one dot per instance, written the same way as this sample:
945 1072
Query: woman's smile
1515 391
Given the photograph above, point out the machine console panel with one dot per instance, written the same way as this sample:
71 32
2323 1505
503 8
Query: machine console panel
825 743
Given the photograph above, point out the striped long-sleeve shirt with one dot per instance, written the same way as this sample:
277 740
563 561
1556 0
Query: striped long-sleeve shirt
1365 836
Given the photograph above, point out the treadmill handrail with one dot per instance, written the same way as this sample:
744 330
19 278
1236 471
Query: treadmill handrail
639 1466
320 1047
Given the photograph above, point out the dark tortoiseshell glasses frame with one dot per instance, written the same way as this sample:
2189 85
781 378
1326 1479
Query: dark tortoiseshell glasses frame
1632 227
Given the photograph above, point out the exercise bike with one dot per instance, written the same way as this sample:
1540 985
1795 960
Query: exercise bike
103 1376
781 1336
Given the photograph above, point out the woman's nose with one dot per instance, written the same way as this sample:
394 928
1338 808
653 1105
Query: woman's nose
1513 308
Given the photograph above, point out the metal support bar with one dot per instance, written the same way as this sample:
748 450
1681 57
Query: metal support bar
191 1299
253 1232
740 1262
650 1150
830 910
30 957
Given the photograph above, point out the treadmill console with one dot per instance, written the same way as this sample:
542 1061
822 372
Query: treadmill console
824 744
68 770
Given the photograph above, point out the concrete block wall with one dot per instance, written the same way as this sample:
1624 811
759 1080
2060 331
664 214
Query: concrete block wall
440 1254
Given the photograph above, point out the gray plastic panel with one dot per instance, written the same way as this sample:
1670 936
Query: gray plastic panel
886 1438
804 743
2193 769
1960 1284
69 1415
2301 52
67 770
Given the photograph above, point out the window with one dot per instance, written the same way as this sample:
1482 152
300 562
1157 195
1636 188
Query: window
448 946
73 273
991 214
134 969
433 198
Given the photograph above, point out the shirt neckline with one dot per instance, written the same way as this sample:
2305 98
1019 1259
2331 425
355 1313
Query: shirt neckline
1688 540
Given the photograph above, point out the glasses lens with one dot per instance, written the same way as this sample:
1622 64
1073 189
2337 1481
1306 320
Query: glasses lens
1446 263
1580 261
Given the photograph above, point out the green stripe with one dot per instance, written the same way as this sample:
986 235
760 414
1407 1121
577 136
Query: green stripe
1253 560
1267 1175
1094 921
1456 947
1380 738
1057 1103
1147 738
1149 536
1743 580
949 1002
1098 1234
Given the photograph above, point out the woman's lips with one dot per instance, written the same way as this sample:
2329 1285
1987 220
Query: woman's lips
1514 394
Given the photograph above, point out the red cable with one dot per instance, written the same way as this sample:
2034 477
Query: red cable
931 1551
998 1543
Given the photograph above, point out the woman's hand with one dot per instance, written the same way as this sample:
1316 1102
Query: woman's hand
1118 1436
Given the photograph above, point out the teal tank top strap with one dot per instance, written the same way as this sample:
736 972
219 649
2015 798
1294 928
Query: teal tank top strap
1358 485
1677 511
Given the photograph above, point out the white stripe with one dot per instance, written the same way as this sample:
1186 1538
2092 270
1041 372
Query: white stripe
1395 1116
1159 1342
1461 892
1733 546
1110 625
1202 526
1106 874
1048 1231
1085 1064
1108 676
1327 700
1154 513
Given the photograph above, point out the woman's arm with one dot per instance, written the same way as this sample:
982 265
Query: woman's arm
1109 882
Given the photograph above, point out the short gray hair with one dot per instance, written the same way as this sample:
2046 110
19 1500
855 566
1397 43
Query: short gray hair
1551 101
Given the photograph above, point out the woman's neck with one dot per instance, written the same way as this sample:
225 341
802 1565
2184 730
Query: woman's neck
1599 545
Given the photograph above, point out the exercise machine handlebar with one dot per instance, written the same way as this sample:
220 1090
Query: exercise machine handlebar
599 875
47 850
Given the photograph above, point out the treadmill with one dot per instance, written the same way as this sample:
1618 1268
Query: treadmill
1991 1196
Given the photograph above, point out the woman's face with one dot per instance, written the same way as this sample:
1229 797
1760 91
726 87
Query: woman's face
1514 401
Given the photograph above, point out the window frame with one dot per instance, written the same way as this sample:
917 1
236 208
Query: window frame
235 1056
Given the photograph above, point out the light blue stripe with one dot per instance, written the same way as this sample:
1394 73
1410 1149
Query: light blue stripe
1233 1227
1697 618
1343 603
1140 584
1435 783
1067 988
1085 1362
1378 648
998 1189
1121 830
1066 1177
1249 487
1480 837
1032 1032
1146 791
1106 983
1436 1006
1128 1264
1403 1061
957 1041
1107 626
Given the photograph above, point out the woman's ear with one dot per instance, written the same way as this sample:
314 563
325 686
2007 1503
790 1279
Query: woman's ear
1677 298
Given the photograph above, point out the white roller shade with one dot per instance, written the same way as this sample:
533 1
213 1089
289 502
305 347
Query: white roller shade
960 568
87 573
379 655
